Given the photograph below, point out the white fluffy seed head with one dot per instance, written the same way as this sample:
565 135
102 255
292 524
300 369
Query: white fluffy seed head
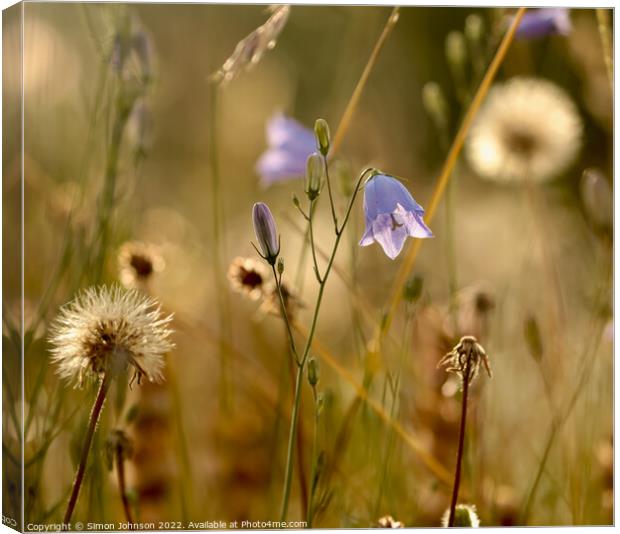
528 128
104 329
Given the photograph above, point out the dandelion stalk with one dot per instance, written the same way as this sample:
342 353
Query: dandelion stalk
90 432
464 360
461 445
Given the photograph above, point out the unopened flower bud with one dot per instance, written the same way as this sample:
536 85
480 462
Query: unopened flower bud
413 288
321 132
474 28
266 232
280 265
455 49
296 201
435 104
313 372
315 171
533 339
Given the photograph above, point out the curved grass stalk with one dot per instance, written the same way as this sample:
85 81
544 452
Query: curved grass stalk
427 459
406 267
347 116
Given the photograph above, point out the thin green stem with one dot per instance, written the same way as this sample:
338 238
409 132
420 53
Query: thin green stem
329 191
317 273
289 330
301 363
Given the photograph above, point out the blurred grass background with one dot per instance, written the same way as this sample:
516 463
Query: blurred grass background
235 455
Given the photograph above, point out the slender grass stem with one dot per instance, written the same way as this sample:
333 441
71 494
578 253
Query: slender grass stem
90 432
217 247
314 477
461 446
405 268
329 191
602 17
349 111
120 473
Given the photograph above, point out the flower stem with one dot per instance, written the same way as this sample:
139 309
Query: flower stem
120 473
90 432
301 363
291 440
459 454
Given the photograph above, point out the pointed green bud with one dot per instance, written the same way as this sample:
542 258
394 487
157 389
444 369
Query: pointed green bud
455 49
533 338
296 201
280 265
315 172
413 288
266 232
321 132
435 105
313 372
474 28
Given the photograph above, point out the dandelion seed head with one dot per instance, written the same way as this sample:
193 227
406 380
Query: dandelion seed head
465 359
138 262
528 128
387 521
248 277
250 49
105 330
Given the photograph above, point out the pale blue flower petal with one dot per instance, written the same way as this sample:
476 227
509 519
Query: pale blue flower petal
392 215
546 21
290 144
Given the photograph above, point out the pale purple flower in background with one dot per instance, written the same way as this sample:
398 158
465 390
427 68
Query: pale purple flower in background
391 215
290 144
546 21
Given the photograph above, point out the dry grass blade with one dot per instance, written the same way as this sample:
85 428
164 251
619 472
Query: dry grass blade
429 460
457 145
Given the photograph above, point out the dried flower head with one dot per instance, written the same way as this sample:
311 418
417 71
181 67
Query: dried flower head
387 521
118 443
528 128
248 277
105 330
250 50
465 515
271 302
465 359
138 262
